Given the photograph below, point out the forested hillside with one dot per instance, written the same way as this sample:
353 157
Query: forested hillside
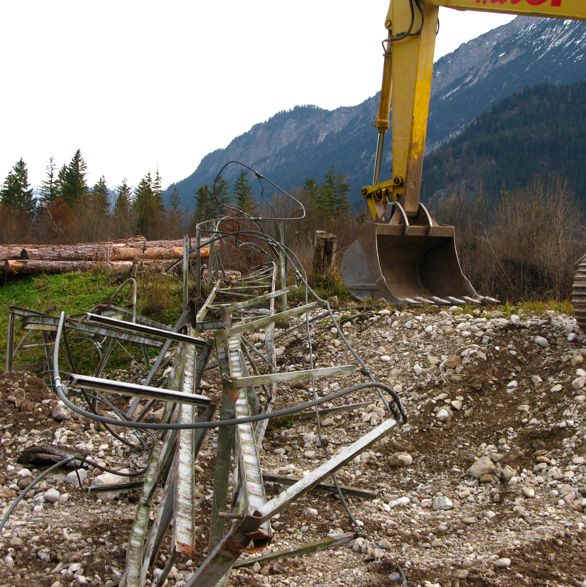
537 132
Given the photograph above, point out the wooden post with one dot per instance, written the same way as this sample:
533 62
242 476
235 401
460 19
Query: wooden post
324 252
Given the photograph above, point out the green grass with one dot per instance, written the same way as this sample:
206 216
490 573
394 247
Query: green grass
72 293
159 297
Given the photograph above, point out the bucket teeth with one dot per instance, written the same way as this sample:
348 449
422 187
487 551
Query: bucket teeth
579 293
489 300
471 300
456 301
427 301
441 301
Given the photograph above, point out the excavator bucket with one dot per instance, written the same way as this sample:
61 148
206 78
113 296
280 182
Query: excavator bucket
411 265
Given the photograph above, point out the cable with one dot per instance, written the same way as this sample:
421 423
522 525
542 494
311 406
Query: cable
38 478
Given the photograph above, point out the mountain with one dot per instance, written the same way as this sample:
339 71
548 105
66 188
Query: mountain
306 141
540 131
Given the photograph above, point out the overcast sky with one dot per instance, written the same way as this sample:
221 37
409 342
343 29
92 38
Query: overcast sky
140 84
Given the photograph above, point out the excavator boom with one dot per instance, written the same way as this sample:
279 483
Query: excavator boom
404 255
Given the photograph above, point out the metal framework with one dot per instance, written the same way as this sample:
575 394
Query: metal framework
238 310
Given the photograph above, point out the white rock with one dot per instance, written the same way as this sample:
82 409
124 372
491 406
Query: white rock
556 388
60 412
480 467
71 477
400 501
51 495
502 563
109 479
528 491
536 379
541 341
579 383
417 369
385 358
443 414
401 459
441 502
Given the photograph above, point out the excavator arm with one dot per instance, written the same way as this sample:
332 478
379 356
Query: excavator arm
405 256
412 26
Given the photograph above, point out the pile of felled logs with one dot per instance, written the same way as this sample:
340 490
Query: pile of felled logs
117 256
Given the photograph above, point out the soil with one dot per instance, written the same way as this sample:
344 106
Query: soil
484 384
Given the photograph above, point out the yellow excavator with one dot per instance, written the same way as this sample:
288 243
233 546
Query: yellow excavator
404 255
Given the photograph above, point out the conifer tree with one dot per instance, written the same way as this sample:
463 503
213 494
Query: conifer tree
157 210
72 179
203 204
243 194
142 206
220 196
122 211
16 193
50 185
175 215
100 197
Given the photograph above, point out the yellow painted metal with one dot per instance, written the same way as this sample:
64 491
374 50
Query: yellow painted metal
575 9
411 79
381 121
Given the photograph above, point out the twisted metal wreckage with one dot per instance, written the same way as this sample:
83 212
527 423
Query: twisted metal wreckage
235 308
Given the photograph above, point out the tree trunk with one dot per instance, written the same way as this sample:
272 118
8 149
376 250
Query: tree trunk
324 253
129 250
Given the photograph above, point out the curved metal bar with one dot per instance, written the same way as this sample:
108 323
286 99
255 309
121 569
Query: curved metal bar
427 215
403 216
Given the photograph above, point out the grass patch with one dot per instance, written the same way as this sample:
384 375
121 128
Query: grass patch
159 298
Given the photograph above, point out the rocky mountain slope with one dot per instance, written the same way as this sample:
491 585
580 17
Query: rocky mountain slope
293 146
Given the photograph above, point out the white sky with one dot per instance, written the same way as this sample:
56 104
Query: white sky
143 84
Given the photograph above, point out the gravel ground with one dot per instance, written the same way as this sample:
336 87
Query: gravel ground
485 484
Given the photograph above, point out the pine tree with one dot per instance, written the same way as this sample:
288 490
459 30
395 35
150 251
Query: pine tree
203 204
220 196
175 214
341 202
16 193
50 185
327 197
95 210
100 197
243 194
72 182
148 207
143 195
122 215
157 210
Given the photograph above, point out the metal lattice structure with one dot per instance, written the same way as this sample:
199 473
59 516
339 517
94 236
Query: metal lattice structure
230 333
